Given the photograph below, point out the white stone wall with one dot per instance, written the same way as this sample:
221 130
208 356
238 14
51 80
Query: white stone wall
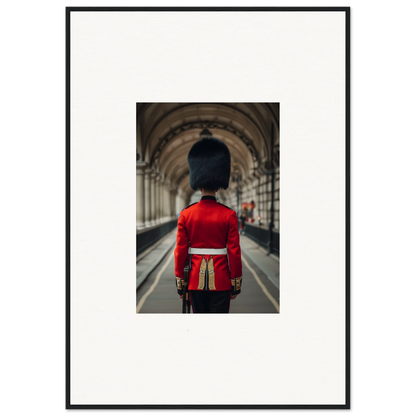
156 197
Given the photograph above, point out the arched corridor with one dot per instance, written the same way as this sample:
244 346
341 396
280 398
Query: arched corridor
165 134
167 131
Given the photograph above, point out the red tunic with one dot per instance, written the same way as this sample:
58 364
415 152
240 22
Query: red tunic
209 224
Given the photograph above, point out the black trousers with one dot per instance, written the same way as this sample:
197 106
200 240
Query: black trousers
210 301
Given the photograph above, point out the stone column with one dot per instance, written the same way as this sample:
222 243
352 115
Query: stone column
266 208
256 198
180 201
168 199
261 210
156 208
147 198
277 200
163 199
173 191
177 210
161 180
153 198
171 197
161 219
140 199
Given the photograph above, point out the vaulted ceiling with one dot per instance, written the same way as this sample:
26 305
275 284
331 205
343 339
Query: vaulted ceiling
167 131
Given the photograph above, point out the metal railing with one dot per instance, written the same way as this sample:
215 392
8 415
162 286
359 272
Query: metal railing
149 236
260 235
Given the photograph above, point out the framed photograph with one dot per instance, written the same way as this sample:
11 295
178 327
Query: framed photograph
239 120
168 187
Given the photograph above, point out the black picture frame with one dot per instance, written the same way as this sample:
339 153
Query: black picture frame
349 407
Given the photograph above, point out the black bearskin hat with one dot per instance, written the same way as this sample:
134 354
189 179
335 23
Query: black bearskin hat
209 164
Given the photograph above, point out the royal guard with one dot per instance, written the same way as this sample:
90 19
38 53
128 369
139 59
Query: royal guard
208 240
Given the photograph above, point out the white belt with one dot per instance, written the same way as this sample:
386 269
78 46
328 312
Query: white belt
207 251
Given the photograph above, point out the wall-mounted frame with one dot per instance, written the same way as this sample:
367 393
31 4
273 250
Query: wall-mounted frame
299 57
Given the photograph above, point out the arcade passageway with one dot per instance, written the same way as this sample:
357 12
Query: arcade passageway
165 134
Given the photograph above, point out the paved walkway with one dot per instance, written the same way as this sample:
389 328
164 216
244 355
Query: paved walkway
268 264
157 292
153 256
